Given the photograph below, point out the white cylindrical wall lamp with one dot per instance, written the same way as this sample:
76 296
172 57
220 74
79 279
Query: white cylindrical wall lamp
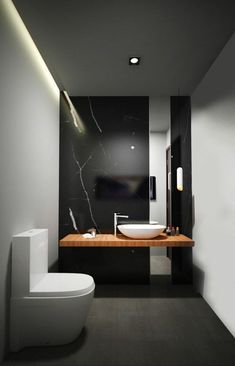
179 179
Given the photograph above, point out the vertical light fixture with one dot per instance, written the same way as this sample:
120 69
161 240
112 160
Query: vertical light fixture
179 179
76 118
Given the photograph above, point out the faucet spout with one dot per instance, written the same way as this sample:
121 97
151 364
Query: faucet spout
116 217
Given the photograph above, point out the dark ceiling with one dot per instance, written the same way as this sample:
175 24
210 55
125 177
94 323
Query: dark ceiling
86 44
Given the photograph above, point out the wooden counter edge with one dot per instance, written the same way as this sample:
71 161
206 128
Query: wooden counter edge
108 240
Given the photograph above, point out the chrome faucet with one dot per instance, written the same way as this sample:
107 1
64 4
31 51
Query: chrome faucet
116 217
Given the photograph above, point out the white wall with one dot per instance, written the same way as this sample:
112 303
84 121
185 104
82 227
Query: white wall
213 178
159 114
29 147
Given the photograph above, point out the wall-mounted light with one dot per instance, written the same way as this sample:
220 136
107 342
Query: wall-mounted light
76 118
134 60
169 181
179 179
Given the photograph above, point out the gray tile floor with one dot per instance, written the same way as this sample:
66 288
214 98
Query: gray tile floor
157 324
160 265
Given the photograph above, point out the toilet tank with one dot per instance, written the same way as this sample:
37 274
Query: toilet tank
29 260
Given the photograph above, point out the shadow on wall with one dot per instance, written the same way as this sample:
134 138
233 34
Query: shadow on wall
199 279
193 211
198 274
53 267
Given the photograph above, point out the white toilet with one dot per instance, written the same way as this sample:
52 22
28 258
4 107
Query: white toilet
46 308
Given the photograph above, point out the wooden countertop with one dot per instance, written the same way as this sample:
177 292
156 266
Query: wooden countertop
109 240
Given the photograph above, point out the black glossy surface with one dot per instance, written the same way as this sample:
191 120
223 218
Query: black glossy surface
108 265
181 152
181 201
157 325
101 159
104 168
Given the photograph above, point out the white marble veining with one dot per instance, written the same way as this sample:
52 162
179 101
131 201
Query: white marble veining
92 113
81 167
98 160
73 220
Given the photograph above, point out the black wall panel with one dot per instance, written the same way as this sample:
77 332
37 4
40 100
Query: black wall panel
181 201
104 162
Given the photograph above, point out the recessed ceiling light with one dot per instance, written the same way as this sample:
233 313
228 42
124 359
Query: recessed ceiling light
134 60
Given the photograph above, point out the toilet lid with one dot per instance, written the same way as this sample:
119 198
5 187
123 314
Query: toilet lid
63 284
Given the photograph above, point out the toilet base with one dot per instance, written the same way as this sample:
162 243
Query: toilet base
45 321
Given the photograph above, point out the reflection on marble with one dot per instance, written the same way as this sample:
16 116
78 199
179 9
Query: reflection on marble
103 147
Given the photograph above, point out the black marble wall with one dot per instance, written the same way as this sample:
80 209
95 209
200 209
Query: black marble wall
181 201
104 162
181 152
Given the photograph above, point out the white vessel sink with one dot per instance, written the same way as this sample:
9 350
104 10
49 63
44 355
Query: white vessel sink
141 231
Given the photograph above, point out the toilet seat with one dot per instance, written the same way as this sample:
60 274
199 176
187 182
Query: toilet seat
62 285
